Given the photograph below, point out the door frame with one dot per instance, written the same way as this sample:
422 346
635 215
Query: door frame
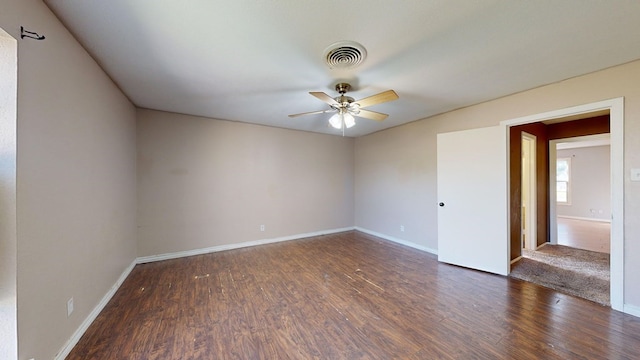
553 154
8 193
531 219
616 115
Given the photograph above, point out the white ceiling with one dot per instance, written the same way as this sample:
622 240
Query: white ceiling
256 60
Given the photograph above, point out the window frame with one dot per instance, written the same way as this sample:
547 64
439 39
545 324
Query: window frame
568 181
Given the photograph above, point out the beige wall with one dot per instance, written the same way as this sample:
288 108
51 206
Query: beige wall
382 160
205 183
76 181
590 192
395 178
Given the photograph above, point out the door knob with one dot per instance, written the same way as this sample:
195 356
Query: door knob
441 204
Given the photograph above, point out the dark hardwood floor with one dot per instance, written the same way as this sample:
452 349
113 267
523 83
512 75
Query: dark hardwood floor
345 296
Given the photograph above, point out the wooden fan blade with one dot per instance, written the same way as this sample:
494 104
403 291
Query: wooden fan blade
368 114
385 96
311 113
324 97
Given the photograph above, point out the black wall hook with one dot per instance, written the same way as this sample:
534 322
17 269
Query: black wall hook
30 34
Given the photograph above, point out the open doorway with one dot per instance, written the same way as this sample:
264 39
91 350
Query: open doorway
575 258
582 194
576 194
540 124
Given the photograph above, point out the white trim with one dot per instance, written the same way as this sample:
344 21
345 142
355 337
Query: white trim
617 203
567 112
632 310
616 116
532 219
8 194
66 349
553 210
598 140
180 254
398 241
584 218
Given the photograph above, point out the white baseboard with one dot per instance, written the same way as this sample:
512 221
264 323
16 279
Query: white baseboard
516 259
180 254
66 349
584 218
631 310
399 241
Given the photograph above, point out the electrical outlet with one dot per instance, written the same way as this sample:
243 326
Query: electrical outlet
261 227
402 228
69 307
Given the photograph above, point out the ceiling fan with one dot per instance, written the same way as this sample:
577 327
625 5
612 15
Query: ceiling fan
347 107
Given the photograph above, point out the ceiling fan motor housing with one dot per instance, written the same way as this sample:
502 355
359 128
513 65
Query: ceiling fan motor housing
342 88
345 103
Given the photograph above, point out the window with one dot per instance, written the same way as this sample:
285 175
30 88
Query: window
563 178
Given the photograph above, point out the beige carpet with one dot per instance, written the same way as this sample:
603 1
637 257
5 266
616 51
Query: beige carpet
572 271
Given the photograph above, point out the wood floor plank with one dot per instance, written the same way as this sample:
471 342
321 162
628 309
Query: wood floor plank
345 296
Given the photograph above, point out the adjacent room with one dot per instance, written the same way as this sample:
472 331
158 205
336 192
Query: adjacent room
329 180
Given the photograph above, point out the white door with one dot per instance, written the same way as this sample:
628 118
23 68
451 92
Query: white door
473 223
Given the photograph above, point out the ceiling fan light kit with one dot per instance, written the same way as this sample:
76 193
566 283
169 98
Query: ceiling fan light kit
342 119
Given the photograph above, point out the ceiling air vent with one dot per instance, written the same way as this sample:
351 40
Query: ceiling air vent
344 55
